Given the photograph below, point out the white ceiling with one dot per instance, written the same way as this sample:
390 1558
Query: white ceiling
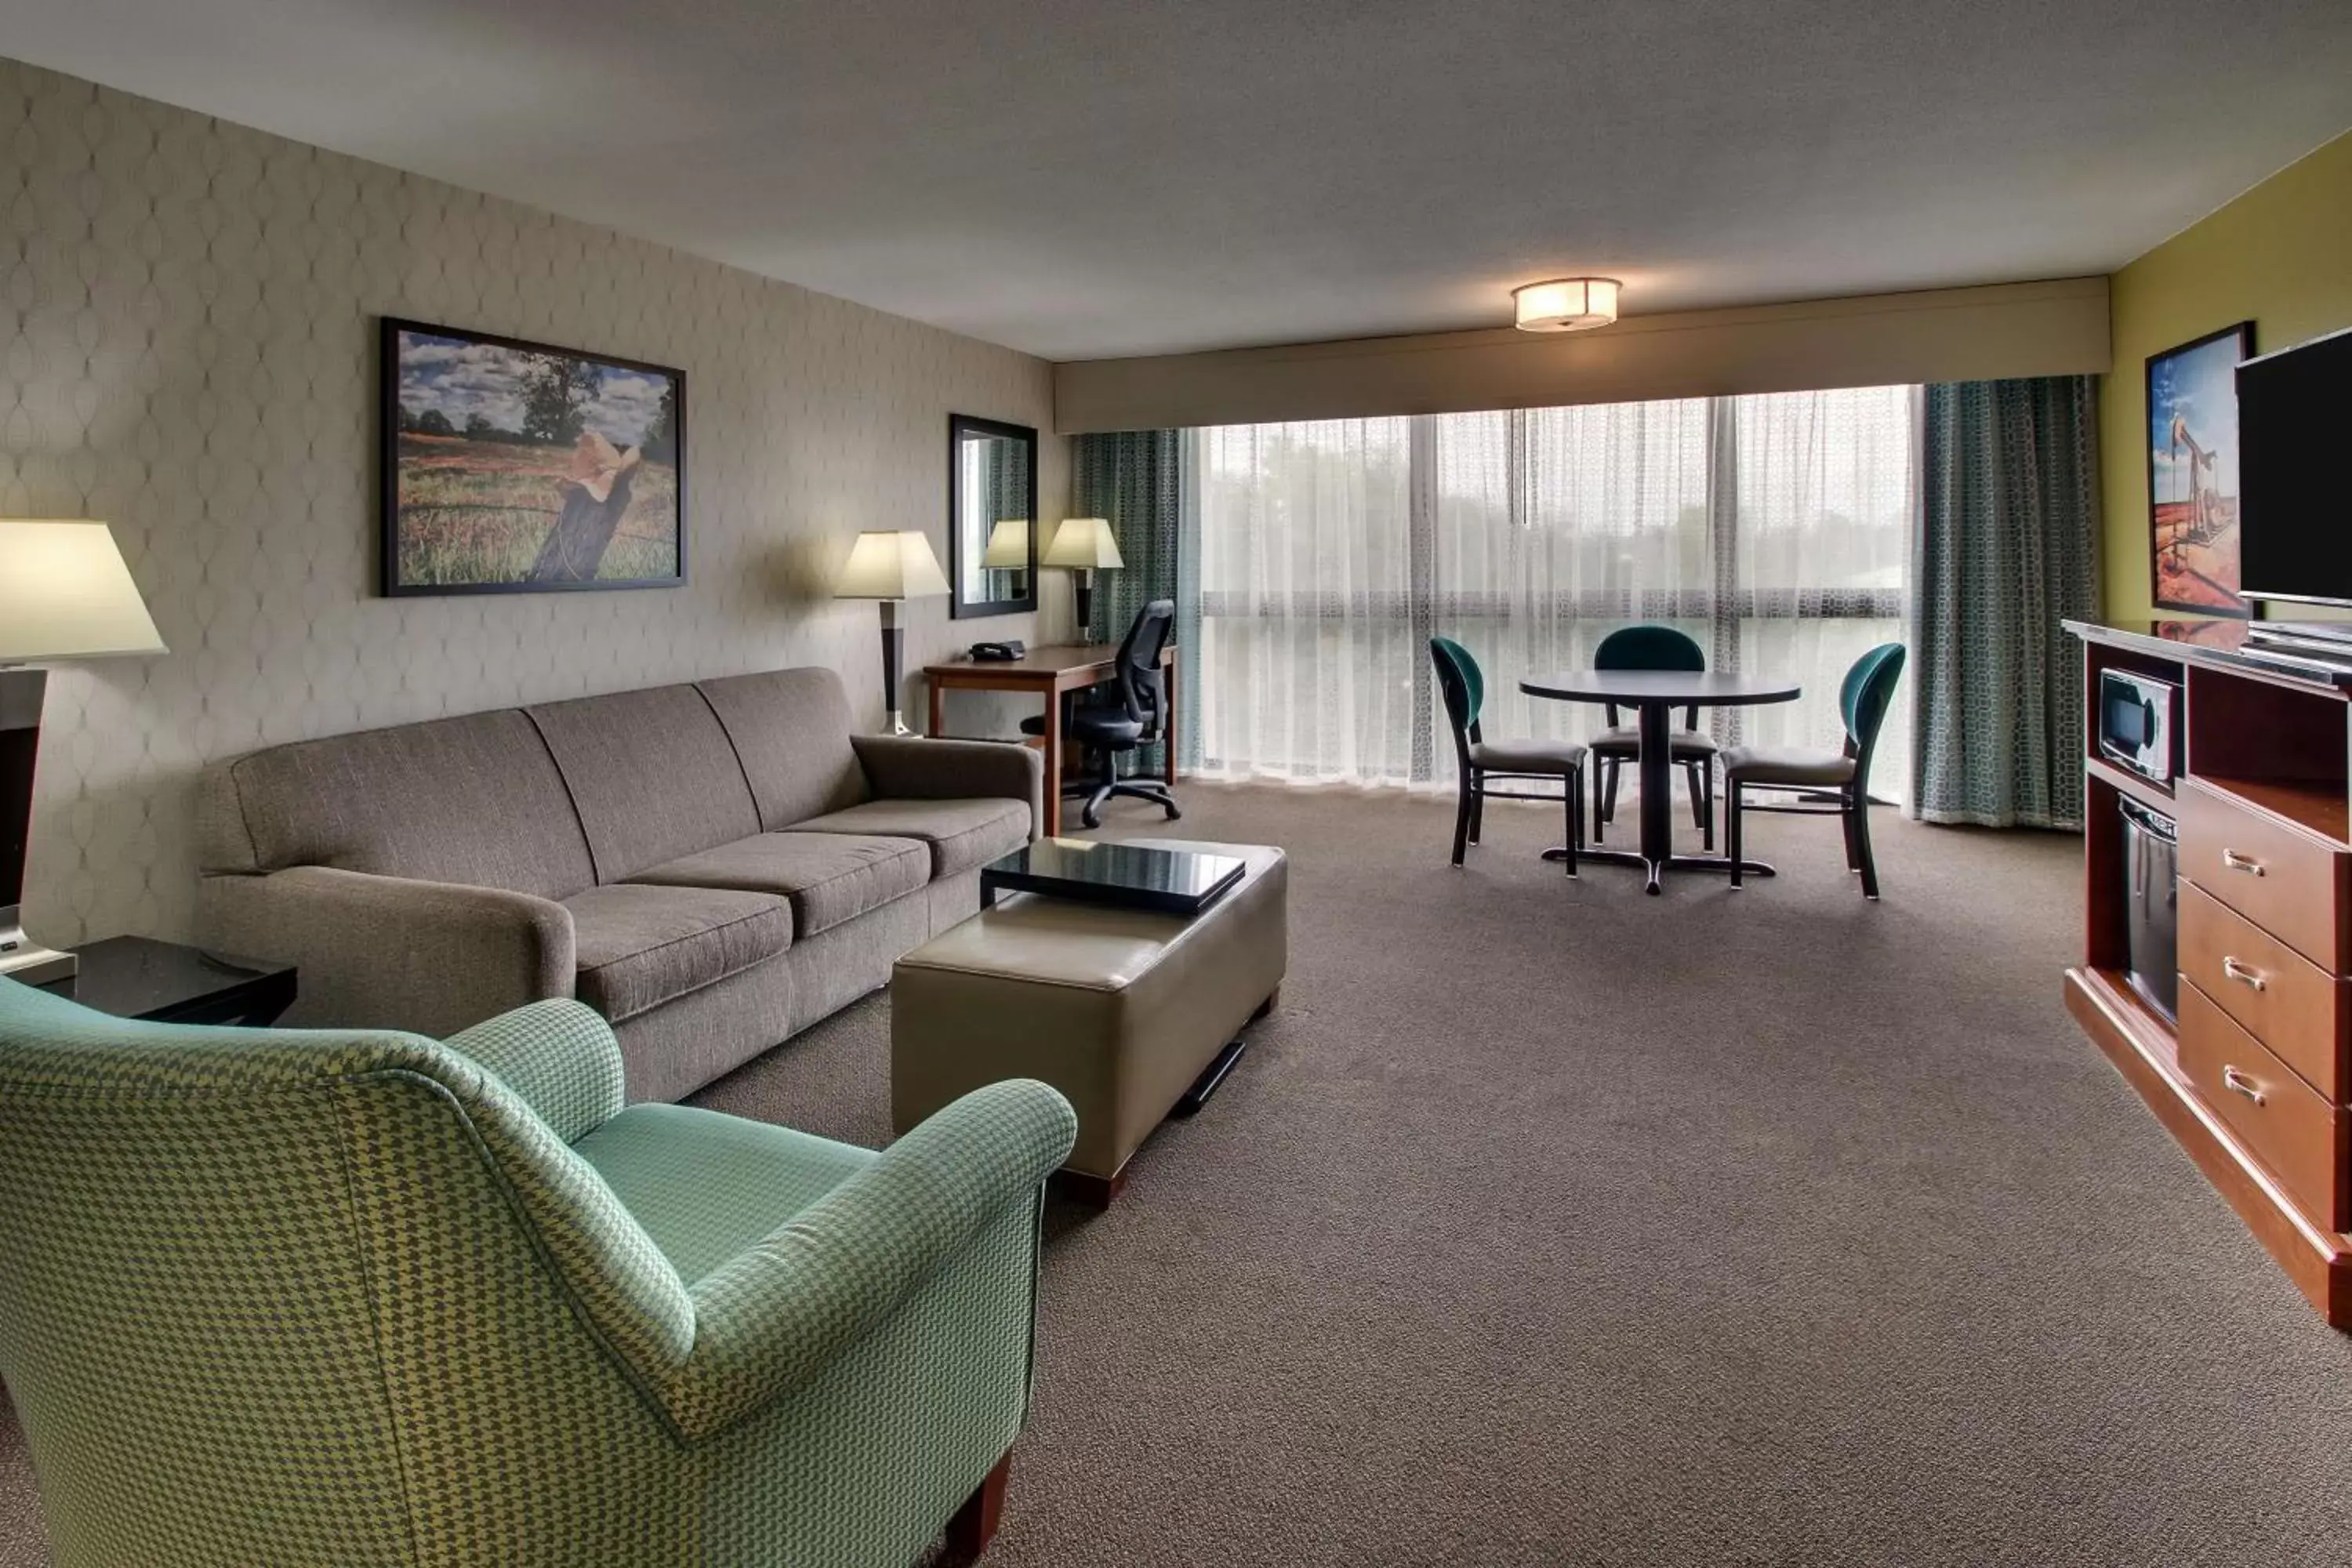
1085 178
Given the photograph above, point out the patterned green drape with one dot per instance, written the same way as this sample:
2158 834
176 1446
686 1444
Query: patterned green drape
1008 497
2007 546
1134 479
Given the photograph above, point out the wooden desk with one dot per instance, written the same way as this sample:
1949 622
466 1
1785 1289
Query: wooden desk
1049 672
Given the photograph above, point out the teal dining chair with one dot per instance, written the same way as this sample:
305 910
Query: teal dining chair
1652 647
1478 761
1824 784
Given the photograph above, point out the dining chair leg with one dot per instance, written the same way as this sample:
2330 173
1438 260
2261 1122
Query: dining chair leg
1707 783
1478 816
1702 817
1861 844
1573 798
1846 817
1731 826
1605 798
1462 815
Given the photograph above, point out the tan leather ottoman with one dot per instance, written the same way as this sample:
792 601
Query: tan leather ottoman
1119 1009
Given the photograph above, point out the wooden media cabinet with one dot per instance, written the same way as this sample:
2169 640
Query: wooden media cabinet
2256 1076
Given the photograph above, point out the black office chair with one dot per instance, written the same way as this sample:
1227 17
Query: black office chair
1123 714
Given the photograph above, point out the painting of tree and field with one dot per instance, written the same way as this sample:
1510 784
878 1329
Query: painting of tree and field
514 467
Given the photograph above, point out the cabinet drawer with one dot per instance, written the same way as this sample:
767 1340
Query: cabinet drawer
2297 1134
2286 880
2280 997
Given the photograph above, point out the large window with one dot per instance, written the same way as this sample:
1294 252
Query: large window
1776 529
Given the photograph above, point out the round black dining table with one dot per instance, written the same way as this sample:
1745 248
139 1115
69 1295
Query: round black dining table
1656 694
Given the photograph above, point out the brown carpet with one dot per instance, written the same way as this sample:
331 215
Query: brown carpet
1549 1224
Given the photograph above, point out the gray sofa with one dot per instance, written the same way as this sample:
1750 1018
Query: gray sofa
713 867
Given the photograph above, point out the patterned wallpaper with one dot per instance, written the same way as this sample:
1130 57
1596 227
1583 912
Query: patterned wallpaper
189 313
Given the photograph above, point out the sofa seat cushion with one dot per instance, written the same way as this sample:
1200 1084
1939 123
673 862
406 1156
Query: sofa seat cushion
962 832
638 946
829 877
704 1185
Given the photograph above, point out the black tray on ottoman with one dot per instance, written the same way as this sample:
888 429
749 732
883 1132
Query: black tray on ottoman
1123 876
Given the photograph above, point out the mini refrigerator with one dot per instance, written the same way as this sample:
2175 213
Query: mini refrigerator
2151 905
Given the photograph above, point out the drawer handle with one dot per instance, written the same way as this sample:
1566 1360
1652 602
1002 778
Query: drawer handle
2237 862
2244 975
2239 1083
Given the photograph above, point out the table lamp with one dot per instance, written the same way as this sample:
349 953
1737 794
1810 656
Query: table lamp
1084 546
892 567
1008 546
65 594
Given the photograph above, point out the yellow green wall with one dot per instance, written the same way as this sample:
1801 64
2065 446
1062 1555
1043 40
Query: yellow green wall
2280 256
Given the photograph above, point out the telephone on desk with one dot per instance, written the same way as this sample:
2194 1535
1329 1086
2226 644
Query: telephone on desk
999 652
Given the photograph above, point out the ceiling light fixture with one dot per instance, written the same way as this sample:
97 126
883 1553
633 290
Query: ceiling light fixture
1566 304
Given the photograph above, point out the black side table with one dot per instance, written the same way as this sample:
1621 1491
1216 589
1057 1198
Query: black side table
165 983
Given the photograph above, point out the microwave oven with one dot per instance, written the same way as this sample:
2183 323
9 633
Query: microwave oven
2140 723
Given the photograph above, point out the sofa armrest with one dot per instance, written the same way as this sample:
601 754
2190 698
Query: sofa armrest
389 952
911 767
561 1059
773 1316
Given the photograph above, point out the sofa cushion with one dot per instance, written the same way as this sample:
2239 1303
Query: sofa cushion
706 1185
791 727
638 946
653 773
828 876
962 832
476 800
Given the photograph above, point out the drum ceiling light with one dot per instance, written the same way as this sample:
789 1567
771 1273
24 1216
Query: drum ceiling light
1566 304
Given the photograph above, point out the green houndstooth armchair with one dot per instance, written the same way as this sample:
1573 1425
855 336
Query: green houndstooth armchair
340 1298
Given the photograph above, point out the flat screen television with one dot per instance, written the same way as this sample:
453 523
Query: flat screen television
2294 485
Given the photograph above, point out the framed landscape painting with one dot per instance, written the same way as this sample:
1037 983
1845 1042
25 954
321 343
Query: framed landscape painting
520 467
2192 472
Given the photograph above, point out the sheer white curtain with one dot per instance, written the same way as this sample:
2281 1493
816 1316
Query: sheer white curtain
1306 655
1827 493
1774 529
1554 527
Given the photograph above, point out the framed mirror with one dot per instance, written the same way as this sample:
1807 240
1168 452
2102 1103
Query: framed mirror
992 517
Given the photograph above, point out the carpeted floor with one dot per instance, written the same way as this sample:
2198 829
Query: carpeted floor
1551 1224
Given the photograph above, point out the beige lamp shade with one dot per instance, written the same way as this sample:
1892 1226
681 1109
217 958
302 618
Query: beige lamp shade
892 565
1008 546
1084 542
65 594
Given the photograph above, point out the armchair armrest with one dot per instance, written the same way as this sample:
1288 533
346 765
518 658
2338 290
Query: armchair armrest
911 767
391 953
773 1316
559 1057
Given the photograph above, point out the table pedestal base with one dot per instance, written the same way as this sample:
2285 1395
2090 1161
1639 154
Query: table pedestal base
1655 869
